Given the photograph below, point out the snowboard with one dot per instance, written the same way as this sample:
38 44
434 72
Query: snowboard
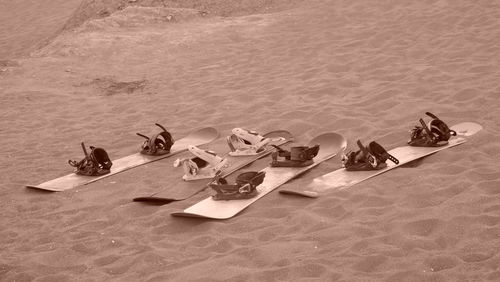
341 178
330 145
182 190
198 137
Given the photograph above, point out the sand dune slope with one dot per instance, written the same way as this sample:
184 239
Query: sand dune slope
366 70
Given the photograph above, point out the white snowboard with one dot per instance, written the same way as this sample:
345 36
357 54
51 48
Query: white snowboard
341 178
330 145
73 180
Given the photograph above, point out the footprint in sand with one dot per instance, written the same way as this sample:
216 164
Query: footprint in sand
466 94
441 263
423 227
370 263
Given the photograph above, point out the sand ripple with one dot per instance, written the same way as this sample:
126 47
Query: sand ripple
368 71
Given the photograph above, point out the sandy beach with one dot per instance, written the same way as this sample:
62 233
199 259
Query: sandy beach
97 71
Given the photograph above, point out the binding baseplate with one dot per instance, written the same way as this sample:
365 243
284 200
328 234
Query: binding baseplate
205 164
245 142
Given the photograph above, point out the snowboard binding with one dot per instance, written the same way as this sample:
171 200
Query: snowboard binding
246 142
205 164
159 144
244 188
94 164
435 134
373 157
298 156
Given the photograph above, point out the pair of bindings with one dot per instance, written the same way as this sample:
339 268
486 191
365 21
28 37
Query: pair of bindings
298 156
372 157
245 186
159 144
243 142
94 164
204 164
435 134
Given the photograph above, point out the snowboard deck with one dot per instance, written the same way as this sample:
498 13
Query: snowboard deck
70 181
182 190
342 179
330 145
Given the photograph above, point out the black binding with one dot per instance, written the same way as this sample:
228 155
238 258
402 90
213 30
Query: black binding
158 144
436 134
372 157
244 188
94 164
298 156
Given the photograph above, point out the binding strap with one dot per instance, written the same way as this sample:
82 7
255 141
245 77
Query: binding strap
429 135
251 178
158 144
440 129
245 186
368 158
380 153
100 156
298 153
230 140
434 134
304 153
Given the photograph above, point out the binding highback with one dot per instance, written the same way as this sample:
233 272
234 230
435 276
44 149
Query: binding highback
243 142
204 164
93 164
158 144
372 157
436 133
440 129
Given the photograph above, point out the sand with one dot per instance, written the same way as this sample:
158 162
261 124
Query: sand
368 70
